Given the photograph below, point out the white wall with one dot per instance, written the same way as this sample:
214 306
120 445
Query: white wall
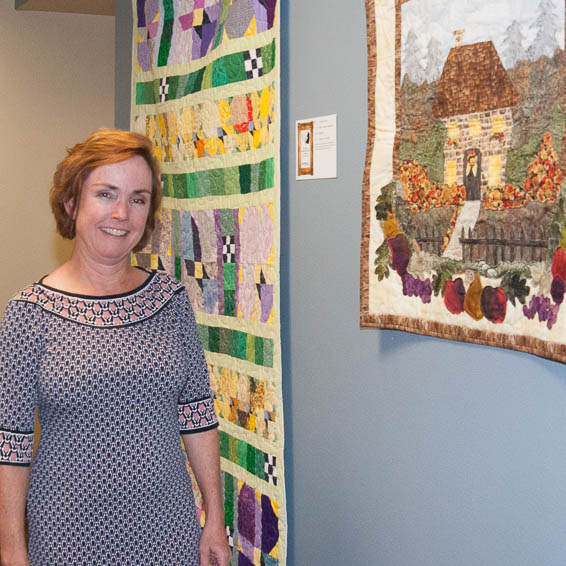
57 86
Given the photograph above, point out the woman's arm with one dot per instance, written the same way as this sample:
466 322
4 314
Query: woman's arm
203 451
13 492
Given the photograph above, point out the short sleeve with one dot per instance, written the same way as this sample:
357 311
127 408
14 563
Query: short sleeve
20 351
196 406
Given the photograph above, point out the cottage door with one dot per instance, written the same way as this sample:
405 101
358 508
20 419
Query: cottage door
472 174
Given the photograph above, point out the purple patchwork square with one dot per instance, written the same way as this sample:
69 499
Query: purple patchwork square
199 4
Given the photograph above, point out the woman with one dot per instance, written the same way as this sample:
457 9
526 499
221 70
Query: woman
110 355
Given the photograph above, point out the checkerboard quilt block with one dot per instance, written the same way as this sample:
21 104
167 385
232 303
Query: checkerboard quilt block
206 92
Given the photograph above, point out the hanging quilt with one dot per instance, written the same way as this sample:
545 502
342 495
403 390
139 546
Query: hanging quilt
464 201
206 91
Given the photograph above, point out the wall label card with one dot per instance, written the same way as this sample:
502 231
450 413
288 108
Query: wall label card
316 148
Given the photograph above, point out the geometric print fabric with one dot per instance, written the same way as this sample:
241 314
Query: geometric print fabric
95 496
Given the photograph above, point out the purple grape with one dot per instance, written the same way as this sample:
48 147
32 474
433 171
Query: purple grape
546 310
414 287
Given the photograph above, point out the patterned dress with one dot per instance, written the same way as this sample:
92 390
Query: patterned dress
115 380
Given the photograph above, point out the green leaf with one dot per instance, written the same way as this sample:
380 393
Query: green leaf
515 286
382 260
443 273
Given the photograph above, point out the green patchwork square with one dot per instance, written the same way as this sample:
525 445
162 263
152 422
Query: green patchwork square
269 181
203 333
216 181
145 92
259 464
242 454
219 76
268 353
231 181
258 347
207 77
224 443
234 344
203 181
233 449
235 69
250 348
229 276
178 274
241 345
192 185
250 460
224 340
168 185
229 303
173 83
213 339
229 499
180 186
227 221
254 174
194 82
245 178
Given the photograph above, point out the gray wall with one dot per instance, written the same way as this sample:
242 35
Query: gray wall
402 450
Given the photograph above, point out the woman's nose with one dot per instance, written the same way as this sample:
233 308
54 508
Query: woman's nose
120 210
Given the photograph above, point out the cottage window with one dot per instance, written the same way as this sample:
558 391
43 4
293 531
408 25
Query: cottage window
494 171
450 175
453 131
475 127
497 124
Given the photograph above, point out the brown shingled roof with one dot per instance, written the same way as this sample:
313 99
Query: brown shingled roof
473 80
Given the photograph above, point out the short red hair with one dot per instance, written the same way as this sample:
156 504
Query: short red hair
103 147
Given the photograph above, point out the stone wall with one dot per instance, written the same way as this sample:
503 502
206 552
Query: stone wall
482 140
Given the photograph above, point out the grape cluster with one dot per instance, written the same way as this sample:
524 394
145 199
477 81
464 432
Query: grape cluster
414 287
547 311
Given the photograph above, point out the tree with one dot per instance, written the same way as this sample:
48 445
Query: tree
546 27
433 60
513 50
411 61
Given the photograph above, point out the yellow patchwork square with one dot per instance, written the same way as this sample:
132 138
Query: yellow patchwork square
198 16
198 270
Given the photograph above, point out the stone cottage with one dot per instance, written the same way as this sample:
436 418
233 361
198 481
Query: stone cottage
474 100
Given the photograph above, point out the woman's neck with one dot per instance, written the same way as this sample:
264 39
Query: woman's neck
82 278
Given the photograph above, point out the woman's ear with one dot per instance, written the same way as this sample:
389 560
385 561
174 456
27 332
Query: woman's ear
70 208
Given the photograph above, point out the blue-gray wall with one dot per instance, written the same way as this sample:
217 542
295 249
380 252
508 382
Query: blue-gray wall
402 450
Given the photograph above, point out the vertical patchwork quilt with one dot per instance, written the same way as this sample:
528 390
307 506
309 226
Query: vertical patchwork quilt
464 201
206 92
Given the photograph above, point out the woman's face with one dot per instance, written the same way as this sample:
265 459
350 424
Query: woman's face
113 208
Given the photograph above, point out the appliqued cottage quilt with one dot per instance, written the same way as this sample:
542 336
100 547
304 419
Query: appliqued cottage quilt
206 91
464 201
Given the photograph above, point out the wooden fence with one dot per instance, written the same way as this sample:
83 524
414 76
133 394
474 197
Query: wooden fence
494 245
490 244
430 239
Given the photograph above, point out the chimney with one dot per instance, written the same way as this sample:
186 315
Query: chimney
458 35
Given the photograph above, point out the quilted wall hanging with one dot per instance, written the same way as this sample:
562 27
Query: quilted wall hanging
206 91
464 203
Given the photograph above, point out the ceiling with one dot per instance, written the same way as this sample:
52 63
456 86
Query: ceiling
98 7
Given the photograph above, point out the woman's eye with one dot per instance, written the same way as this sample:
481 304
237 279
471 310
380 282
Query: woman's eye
139 201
